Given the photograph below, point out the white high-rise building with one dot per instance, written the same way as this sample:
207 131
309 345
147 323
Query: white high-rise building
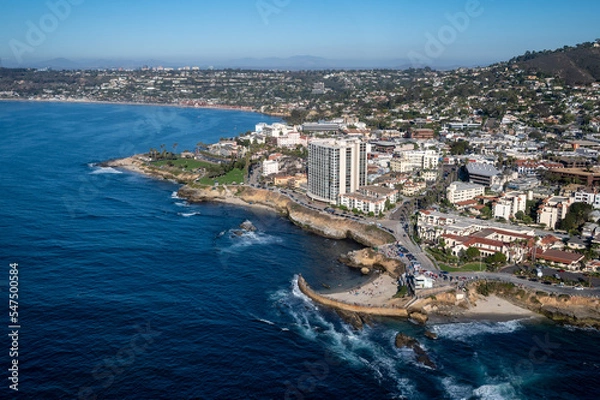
336 166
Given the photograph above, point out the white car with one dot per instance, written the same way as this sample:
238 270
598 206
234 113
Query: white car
578 287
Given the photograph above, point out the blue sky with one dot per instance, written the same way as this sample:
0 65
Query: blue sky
185 30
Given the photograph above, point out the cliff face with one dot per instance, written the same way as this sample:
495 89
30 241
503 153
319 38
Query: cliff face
326 225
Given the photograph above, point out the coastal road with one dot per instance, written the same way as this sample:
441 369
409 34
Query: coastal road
402 237
498 276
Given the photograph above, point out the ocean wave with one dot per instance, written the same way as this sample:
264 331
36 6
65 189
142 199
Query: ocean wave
182 204
190 214
360 349
488 391
501 391
105 170
463 331
175 196
247 239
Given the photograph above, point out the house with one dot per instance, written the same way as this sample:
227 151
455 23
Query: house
560 259
270 167
576 243
551 242
423 282
592 266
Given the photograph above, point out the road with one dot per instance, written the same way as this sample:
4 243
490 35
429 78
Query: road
498 276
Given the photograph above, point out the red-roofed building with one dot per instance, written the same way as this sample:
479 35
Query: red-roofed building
561 259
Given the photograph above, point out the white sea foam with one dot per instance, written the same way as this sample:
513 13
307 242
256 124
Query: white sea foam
248 239
456 390
467 330
105 170
181 204
502 391
357 348
175 196
190 214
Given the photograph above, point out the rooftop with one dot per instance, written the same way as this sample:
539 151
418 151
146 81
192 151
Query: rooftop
482 169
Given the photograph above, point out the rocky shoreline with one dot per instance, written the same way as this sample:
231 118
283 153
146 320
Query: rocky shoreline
443 307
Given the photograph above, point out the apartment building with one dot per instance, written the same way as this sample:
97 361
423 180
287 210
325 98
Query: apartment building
416 159
552 210
461 191
509 204
335 167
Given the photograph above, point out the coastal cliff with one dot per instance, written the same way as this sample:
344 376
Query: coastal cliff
563 308
322 224
325 225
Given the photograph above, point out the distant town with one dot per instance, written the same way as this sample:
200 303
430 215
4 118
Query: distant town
483 167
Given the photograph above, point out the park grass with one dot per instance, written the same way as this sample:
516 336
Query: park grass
188 164
475 266
236 175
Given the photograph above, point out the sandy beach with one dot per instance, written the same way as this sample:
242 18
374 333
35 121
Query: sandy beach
496 308
376 293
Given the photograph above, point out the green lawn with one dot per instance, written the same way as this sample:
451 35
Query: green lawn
190 165
235 175
475 266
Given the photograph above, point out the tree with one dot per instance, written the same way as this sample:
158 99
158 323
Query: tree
472 253
486 212
497 258
520 215
459 147
577 215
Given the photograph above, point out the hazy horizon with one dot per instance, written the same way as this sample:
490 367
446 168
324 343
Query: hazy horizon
350 34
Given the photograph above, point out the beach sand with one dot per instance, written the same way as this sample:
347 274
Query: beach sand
377 293
491 308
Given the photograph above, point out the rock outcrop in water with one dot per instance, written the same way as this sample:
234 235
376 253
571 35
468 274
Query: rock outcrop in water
404 341
368 258
356 320
248 226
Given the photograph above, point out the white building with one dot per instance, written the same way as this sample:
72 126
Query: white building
461 191
552 210
291 140
335 166
509 204
588 197
369 198
415 159
363 203
423 282
270 167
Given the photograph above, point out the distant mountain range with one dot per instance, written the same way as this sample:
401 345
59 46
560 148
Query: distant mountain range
575 65
302 62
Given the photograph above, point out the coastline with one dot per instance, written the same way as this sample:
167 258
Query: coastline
132 103
376 297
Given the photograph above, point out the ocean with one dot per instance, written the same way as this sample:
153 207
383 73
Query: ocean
127 292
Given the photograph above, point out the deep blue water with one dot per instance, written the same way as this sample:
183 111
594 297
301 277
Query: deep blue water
127 292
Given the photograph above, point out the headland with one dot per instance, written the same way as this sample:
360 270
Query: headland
476 300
